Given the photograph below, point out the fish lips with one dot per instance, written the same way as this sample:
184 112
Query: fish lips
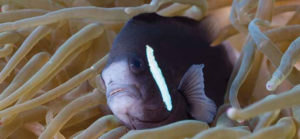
122 90
126 103
123 99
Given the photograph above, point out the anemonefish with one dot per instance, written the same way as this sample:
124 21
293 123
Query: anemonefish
162 69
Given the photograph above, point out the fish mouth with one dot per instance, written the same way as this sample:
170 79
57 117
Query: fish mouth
116 91
124 89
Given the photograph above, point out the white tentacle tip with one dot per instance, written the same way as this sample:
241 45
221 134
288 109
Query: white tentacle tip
128 10
231 113
272 85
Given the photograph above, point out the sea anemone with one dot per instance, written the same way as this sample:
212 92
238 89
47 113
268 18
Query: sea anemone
54 50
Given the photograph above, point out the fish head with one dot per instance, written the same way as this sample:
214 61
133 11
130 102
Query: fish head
133 95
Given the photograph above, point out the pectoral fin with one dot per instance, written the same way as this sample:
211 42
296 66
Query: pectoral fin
192 86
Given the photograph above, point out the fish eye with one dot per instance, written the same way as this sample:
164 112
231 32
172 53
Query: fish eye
136 65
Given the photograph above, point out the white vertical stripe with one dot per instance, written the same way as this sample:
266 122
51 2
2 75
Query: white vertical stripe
159 78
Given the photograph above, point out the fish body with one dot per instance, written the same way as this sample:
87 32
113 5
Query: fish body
195 73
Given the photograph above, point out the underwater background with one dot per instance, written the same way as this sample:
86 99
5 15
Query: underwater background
52 52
